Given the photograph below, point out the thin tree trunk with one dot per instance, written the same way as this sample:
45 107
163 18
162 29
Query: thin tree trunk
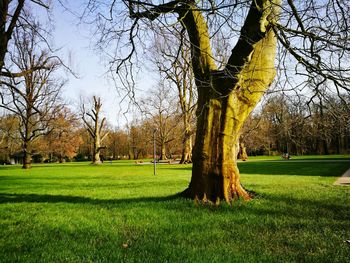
27 157
96 151
163 152
242 152
186 156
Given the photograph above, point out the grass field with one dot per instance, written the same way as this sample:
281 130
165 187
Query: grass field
120 212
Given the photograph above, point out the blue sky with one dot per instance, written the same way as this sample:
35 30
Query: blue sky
75 42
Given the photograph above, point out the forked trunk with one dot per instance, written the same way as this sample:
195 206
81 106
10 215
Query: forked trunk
226 98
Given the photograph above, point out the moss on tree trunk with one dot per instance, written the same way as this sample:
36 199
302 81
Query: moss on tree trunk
225 99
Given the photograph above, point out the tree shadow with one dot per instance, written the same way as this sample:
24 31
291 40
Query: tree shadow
326 169
37 198
269 207
304 208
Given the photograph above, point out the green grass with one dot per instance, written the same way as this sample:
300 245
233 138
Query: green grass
120 212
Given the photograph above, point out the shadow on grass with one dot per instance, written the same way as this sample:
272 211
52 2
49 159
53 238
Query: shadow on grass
40 166
289 168
303 208
269 205
294 168
35 198
77 165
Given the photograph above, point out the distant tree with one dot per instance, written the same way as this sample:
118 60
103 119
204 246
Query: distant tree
117 144
330 127
161 109
9 136
85 149
64 140
33 96
96 126
175 66
139 139
286 124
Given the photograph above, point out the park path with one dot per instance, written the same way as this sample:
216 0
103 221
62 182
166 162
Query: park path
344 180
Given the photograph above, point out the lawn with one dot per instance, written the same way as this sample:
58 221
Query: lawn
121 212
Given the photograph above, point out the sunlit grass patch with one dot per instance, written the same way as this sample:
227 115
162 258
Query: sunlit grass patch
121 212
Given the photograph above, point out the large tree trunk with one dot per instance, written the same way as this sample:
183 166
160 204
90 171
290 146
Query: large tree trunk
215 175
225 99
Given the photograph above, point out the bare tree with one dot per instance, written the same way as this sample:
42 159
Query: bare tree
160 108
96 127
117 144
11 19
64 140
314 33
139 139
176 67
288 125
33 95
9 136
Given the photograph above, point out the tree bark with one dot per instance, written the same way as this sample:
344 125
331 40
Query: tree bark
163 152
242 152
186 156
215 175
225 99
27 157
96 150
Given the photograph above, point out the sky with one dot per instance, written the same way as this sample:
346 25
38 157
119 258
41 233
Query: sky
76 43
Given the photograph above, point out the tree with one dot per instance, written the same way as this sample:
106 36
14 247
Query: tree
9 136
227 95
64 140
289 125
117 144
95 127
139 139
85 149
329 125
33 95
161 110
176 67
11 19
